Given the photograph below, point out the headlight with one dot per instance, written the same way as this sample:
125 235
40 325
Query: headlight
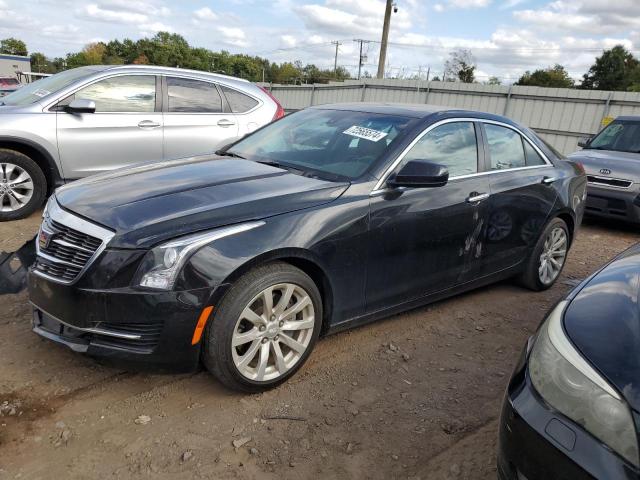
571 385
161 265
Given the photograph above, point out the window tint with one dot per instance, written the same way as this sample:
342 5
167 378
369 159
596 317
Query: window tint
505 147
452 145
128 93
330 143
186 95
239 102
532 156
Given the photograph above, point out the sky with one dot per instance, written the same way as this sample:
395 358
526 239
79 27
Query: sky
506 37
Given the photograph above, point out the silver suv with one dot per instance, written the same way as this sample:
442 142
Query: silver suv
92 119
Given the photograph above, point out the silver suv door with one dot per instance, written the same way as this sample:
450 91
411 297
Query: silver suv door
195 120
126 127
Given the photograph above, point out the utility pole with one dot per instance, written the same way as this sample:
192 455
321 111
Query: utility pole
361 57
335 62
385 37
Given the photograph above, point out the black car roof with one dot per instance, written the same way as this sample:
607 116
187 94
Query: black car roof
415 110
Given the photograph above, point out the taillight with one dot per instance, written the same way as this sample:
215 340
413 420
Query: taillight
279 109
580 167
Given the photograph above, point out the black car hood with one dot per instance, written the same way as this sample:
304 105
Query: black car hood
603 322
152 202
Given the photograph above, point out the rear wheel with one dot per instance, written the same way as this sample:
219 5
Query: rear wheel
548 257
264 329
23 186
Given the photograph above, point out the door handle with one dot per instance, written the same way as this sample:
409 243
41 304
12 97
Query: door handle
477 197
225 123
548 180
148 124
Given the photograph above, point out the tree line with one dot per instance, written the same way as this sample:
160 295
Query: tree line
173 50
616 69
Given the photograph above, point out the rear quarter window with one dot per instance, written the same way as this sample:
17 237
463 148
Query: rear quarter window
238 102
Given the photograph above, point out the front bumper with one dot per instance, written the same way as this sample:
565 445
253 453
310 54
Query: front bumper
535 442
609 203
128 327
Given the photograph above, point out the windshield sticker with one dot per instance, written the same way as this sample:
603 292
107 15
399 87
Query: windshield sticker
366 133
41 93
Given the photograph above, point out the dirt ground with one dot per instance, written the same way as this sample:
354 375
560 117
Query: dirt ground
416 396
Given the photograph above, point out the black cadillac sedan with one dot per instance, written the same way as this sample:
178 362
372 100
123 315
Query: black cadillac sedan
572 406
326 219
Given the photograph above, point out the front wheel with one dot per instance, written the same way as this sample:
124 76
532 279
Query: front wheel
23 186
264 329
548 257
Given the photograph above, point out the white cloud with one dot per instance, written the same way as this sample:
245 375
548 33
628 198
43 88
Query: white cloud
469 3
100 14
205 13
233 36
352 17
288 40
438 7
586 16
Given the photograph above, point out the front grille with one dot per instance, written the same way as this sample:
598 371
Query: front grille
67 244
66 273
609 182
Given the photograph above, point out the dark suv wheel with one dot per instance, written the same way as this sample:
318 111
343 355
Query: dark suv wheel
23 186
264 329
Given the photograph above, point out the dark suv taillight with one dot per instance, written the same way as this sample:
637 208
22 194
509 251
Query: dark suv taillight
279 109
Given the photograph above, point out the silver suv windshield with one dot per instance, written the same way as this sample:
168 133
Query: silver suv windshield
620 135
39 89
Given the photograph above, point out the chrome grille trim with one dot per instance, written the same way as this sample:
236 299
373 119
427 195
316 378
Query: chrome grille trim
70 225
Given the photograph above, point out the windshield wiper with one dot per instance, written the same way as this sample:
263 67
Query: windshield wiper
226 153
284 166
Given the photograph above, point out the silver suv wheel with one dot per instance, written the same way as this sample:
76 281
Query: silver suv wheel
16 187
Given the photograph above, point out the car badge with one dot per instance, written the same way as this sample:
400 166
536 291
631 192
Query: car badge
605 171
44 238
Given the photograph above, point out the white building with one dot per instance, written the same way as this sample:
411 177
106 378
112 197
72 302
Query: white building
10 64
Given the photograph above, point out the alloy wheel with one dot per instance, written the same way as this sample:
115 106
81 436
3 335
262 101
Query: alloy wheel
552 258
273 332
16 187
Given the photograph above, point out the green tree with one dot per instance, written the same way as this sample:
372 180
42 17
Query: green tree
612 70
494 81
554 77
13 46
461 66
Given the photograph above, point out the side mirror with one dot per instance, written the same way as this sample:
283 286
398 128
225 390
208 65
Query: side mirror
584 141
420 174
81 105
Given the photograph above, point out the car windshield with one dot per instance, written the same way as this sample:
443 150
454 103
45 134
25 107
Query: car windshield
35 91
620 135
331 144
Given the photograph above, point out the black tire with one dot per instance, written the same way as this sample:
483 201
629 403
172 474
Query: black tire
530 277
39 184
217 350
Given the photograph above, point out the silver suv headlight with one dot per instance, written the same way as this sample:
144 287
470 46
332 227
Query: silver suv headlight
161 265
568 383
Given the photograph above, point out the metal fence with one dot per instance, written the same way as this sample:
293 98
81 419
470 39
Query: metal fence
560 115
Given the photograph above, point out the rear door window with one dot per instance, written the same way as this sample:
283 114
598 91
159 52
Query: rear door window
192 96
505 147
238 102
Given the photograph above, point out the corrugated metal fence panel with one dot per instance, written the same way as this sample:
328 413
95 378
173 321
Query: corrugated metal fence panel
560 116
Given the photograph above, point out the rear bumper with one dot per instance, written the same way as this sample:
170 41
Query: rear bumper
536 442
618 204
132 329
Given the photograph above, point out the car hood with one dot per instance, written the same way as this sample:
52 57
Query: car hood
624 165
152 202
603 322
